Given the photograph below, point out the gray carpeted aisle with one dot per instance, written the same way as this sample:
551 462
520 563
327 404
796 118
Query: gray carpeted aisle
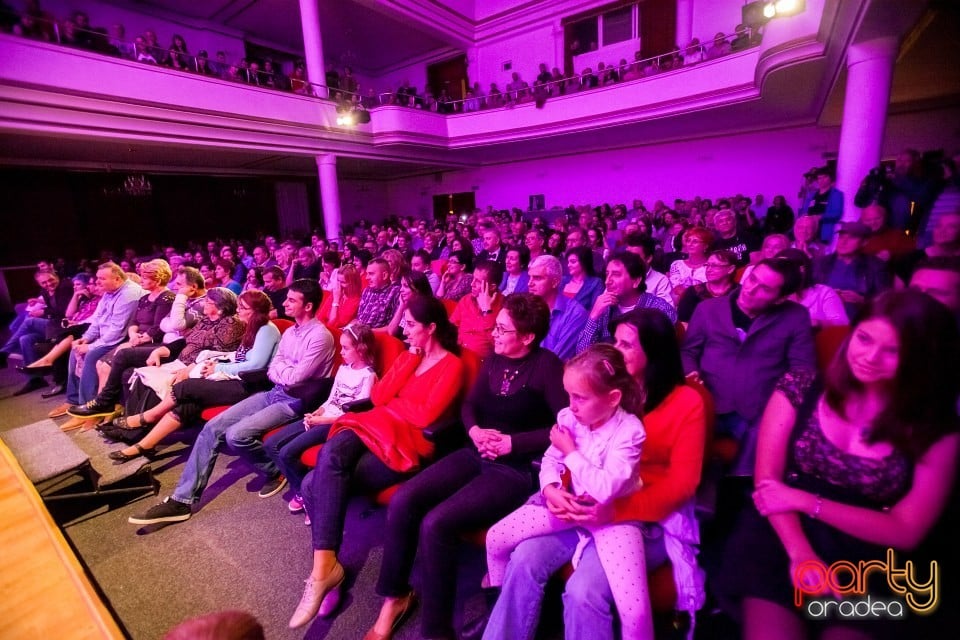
237 552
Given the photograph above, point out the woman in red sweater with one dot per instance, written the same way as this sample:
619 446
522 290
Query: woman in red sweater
383 446
662 510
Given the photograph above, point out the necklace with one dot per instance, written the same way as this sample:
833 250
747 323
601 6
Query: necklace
508 377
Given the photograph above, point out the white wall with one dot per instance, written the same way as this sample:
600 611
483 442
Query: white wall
770 163
712 16
526 50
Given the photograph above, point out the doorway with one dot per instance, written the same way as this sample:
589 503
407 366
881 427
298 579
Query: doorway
449 75
453 204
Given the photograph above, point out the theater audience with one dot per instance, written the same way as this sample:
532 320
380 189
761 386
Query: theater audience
213 382
884 242
731 238
82 305
940 279
806 239
276 290
107 329
660 513
218 330
305 352
507 414
379 300
411 283
353 382
771 247
826 203
39 315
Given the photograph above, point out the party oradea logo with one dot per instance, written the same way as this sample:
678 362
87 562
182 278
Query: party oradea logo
839 590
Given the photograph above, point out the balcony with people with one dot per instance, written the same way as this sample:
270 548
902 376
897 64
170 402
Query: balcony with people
91 75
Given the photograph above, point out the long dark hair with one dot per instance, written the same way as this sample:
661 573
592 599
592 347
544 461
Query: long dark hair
260 305
429 310
922 404
417 282
658 339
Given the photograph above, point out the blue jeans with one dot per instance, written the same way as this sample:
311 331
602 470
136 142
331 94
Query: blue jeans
84 388
285 448
588 610
344 464
28 332
241 427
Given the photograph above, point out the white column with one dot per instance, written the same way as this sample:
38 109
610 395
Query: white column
329 195
869 74
684 22
313 46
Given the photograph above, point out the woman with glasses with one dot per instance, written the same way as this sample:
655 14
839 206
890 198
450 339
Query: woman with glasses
720 269
508 414
690 270
457 279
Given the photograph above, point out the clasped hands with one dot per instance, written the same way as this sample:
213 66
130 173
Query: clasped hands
491 443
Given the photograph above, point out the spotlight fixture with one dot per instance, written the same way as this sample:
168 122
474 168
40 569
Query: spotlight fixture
756 14
349 115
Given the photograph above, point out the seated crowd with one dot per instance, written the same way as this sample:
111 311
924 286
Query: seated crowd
595 360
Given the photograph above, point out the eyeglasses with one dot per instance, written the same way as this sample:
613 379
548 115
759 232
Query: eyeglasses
718 265
451 263
243 307
499 329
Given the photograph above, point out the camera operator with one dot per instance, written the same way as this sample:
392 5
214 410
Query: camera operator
907 193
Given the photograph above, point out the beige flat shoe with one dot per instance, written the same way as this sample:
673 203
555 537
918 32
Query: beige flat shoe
313 595
78 423
61 410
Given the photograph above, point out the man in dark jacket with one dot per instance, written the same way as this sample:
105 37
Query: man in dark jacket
39 314
855 275
740 344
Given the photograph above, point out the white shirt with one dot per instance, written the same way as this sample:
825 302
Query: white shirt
659 285
605 463
349 385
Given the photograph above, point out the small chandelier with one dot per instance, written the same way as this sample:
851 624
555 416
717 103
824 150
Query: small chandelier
137 186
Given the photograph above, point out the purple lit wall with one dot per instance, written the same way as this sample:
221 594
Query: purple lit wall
770 163
711 16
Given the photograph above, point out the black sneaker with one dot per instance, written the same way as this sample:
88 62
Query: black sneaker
167 511
273 486
92 409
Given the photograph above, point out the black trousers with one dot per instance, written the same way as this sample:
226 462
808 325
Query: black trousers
196 394
457 494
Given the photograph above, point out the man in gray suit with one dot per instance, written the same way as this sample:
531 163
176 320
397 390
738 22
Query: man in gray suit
739 345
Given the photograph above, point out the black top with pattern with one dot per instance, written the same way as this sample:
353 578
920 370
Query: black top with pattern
818 466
